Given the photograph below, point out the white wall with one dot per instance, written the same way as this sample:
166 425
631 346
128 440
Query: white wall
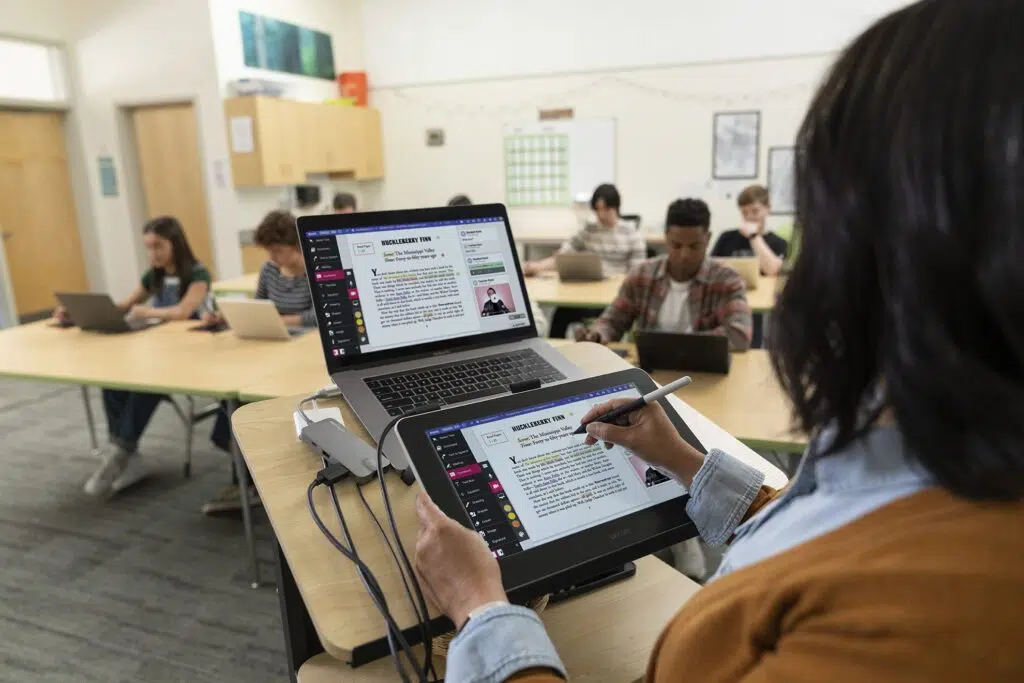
414 42
660 68
663 130
131 52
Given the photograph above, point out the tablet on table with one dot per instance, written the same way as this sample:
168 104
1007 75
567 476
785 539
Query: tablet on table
552 510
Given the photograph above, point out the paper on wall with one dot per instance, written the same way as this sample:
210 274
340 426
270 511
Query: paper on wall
241 135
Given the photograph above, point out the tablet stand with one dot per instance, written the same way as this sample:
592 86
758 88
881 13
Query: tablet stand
599 581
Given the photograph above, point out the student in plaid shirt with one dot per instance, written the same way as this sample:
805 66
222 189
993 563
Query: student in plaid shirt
682 291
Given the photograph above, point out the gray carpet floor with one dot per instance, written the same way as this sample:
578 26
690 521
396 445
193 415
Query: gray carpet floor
139 588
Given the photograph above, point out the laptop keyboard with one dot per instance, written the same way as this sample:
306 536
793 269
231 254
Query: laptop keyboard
458 382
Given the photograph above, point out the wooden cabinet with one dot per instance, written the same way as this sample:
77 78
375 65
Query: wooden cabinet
293 139
370 150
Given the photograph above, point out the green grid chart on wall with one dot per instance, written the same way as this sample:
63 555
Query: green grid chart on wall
537 169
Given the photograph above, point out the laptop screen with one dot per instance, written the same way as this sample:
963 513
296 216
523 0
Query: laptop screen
394 284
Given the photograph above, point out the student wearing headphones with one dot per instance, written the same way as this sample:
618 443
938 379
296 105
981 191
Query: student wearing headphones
174 288
282 280
894 554
681 291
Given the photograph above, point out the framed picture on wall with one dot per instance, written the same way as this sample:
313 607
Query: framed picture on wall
737 140
781 162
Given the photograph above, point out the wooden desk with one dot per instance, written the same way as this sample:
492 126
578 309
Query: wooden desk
550 291
555 239
167 359
244 285
340 615
748 402
593 646
762 299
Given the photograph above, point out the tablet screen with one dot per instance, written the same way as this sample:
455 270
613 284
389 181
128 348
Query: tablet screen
525 479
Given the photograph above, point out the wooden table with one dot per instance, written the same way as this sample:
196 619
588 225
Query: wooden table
314 577
555 239
548 290
167 359
593 646
244 285
748 402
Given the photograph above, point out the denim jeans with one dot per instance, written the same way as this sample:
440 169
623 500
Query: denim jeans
221 437
128 414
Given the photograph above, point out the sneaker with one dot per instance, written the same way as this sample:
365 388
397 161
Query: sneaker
115 462
230 500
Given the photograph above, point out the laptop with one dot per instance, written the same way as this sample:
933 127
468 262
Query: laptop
748 268
579 267
99 313
423 306
255 319
686 352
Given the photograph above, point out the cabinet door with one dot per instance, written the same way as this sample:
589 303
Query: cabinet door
371 149
339 130
280 123
312 135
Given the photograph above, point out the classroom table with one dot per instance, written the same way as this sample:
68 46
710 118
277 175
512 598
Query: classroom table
243 285
166 359
592 646
323 602
548 290
553 240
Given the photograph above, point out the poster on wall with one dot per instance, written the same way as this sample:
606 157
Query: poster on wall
279 46
735 146
781 186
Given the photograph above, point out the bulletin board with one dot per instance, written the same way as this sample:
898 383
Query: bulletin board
547 163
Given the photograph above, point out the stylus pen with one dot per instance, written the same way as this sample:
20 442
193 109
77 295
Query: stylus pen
657 394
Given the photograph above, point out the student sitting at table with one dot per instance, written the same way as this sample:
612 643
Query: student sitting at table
619 244
894 554
681 291
176 287
344 202
282 280
752 238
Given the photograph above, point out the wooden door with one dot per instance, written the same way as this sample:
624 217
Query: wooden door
171 173
38 222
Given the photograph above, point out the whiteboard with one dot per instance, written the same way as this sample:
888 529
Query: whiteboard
591 154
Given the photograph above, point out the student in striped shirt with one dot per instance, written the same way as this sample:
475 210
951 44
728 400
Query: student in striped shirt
282 280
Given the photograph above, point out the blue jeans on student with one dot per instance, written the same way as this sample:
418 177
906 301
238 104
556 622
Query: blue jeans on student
128 414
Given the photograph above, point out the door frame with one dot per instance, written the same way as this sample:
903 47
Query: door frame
131 167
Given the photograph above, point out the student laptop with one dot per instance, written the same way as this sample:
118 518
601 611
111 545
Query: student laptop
748 268
579 267
99 313
255 319
686 352
402 298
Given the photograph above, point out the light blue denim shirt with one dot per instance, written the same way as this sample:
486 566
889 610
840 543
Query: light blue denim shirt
826 493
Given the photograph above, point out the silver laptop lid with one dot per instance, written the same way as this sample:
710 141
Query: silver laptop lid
391 285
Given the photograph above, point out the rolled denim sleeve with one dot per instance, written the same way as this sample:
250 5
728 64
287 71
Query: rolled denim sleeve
720 496
499 643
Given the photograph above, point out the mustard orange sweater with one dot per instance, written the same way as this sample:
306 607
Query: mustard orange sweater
928 589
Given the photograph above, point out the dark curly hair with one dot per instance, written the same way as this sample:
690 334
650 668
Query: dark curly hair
277 227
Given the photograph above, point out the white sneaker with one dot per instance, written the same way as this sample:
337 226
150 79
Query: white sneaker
117 471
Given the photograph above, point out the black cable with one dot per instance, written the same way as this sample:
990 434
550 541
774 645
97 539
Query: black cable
370 582
394 555
425 619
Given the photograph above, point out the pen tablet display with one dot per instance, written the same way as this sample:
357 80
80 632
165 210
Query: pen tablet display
512 470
